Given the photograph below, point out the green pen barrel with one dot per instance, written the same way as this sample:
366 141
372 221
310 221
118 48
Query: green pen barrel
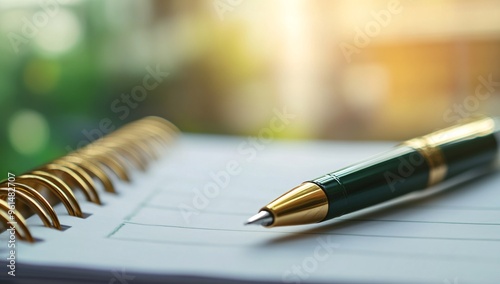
411 166
464 155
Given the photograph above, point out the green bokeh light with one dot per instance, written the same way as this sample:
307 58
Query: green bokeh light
28 132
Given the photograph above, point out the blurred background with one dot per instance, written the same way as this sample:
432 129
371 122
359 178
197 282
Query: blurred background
352 70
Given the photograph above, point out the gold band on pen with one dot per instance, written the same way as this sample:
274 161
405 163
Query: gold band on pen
429 146
433 156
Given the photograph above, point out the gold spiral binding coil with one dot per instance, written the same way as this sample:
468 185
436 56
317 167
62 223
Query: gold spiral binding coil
134 145
104 158
36 202
82 173
92 168
74 180
121 150
56 186
20 227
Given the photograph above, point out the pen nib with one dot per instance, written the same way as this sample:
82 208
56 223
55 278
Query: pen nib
263 218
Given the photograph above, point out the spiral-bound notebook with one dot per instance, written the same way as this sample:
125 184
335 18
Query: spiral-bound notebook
142 206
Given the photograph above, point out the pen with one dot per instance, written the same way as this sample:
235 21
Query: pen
412 165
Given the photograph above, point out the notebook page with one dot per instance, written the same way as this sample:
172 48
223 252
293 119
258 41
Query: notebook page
185 218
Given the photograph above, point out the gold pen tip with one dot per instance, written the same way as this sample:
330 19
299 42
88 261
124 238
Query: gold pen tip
263 218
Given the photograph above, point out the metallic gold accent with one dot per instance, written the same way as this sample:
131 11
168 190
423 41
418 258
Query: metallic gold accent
92 169
304 204
105 158
56 186
43 202
143 146
429 145
434 157
74 179
84 176
34 200
20 226
126 151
